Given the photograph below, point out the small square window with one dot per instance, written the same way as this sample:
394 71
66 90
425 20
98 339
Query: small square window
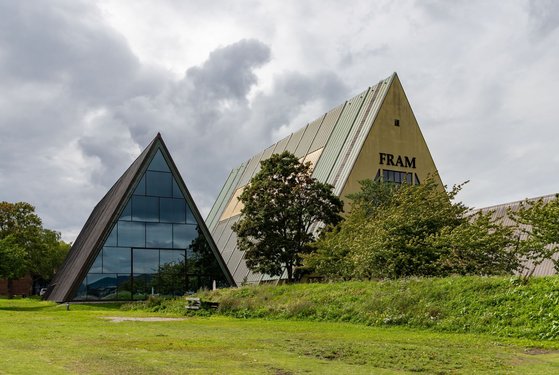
396 122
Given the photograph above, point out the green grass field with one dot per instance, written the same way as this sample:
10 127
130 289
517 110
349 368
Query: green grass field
44 338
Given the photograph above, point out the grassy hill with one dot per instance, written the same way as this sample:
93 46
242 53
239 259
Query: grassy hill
502 306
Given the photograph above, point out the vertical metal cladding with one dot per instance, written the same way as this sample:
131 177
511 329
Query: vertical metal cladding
351 136
241 270
249 170
351 151
265 155
280 146
338 137
294 140
236 255
310 133
230 244
224 197
325 129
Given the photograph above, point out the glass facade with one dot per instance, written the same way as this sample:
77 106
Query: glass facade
397 177
155 247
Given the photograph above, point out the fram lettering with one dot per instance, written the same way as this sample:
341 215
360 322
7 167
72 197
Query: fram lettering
397 160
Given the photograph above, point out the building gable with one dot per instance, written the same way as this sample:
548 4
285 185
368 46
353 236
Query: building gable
146 235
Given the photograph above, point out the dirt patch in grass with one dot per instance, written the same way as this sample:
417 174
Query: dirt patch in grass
120 319
279 371
538 351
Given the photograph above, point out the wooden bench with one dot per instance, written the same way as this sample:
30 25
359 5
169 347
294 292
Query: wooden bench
193 303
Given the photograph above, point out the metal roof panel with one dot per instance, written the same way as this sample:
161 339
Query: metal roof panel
337 138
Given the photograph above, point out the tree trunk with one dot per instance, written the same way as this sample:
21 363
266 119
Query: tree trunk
289 273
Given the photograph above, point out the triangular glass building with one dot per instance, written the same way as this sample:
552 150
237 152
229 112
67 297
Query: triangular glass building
145 237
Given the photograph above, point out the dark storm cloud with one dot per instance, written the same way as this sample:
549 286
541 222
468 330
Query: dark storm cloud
68 44
228 74
208 120
292 91
81 106
59 64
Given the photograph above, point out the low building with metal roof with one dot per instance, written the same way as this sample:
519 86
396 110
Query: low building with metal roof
500 213
372 135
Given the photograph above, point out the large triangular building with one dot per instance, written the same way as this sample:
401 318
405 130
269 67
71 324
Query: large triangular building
374 135
144 237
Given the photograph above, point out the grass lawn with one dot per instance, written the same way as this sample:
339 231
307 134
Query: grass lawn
44 338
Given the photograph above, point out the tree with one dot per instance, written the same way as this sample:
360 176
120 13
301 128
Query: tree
537 223
12 260
18 219
281 203
478 246
35 250
46 253
411 230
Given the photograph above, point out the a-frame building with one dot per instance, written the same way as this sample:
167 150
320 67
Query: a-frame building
373 135
145 236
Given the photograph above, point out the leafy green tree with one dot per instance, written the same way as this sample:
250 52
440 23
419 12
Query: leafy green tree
281 203
19 219
46 254
478 246
170 279
537 223
36 251
12 260
411 230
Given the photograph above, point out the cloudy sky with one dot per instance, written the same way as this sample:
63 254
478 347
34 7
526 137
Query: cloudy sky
87 84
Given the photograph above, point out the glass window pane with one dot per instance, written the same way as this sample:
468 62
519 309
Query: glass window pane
131 234
183 235
101 287
171 278
159 235
127 212
141 188
146 261
124 287
143 286
97 266
172 210
189 216
116 260
168 257
177 193
145 209
409 178
81 293
111 240
200 258
159 184
158 163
